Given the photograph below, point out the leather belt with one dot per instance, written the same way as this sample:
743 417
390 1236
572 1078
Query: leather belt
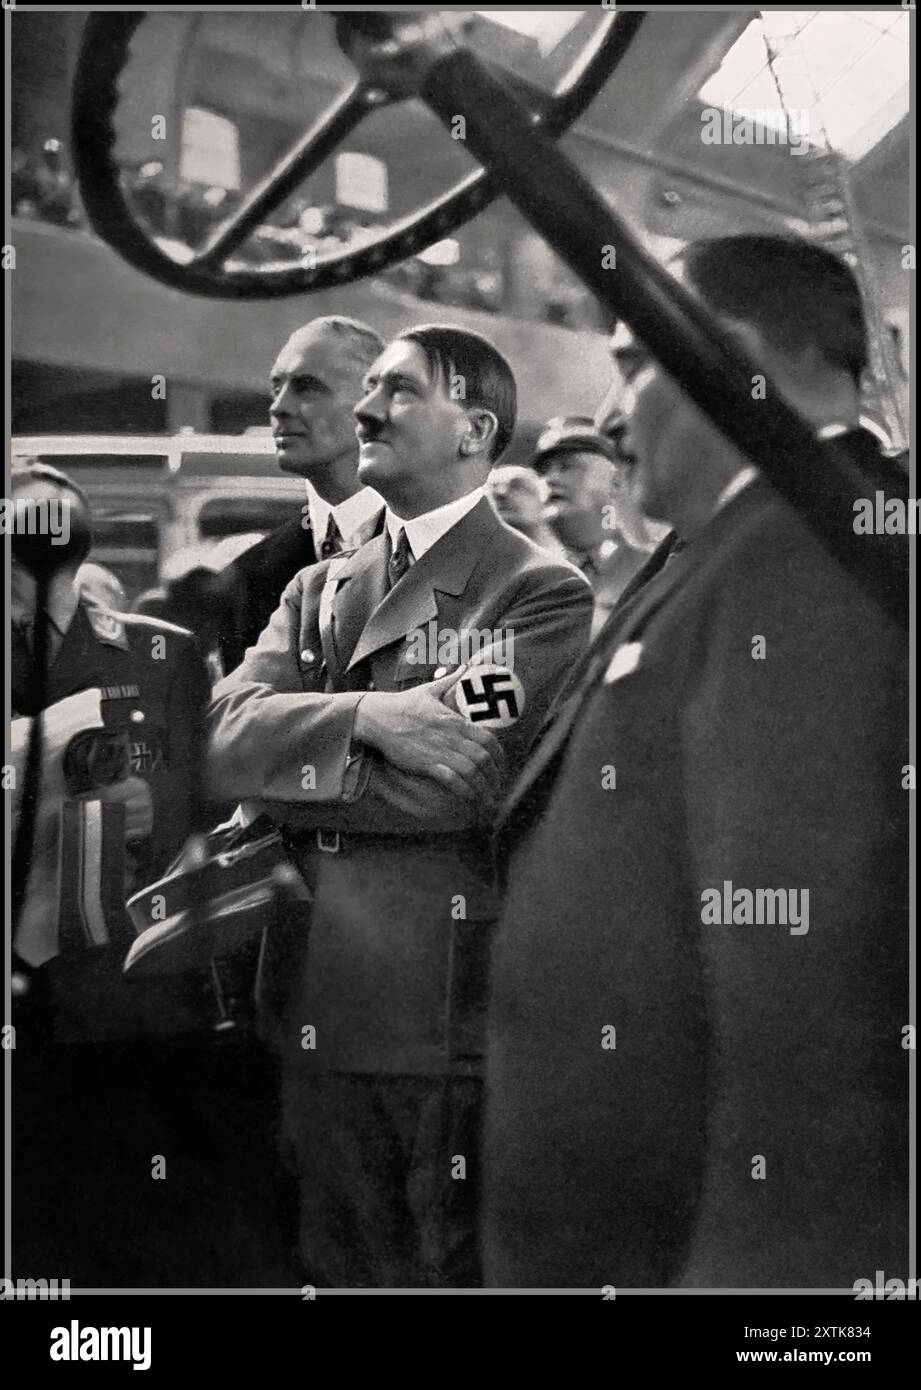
340 841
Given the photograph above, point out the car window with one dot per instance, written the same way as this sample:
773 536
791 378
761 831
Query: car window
127 538
229 516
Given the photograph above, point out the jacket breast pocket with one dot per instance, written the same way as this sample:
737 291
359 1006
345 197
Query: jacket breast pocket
468 988
408 674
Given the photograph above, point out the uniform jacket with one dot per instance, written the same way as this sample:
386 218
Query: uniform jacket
393 977
154 690
745 1123
262 574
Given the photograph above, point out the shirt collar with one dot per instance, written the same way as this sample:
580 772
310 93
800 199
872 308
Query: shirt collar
839 427
61 608
742 479
747 475
350 516
598 556
423 531
835 429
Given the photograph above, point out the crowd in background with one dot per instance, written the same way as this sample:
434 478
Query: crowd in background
183 212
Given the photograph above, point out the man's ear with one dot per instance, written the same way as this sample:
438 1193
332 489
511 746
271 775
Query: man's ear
778 363
788 370
479 432
620 482
751 341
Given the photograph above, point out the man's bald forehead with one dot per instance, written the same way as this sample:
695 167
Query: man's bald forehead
516 472
348 341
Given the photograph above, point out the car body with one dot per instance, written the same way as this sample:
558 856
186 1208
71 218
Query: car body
162 503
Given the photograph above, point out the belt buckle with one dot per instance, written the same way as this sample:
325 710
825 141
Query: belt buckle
328 841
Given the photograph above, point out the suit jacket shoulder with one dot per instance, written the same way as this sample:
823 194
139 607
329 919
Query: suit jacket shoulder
278 555
524 555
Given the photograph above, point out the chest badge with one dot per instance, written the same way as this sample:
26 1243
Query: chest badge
624 661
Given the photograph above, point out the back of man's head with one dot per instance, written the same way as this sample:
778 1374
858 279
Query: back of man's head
33 480
799 296
26 471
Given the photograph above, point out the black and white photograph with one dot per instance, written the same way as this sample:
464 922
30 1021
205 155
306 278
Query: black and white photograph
459 773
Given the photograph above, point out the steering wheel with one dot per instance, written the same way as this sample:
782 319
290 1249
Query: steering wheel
510 129
211 272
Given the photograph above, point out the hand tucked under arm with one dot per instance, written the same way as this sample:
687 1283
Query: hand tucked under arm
417 733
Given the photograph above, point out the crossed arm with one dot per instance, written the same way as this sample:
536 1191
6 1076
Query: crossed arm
388 762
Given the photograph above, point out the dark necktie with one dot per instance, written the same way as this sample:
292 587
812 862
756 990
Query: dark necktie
332 541
401 559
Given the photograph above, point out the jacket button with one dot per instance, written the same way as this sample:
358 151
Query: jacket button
307 655
370 685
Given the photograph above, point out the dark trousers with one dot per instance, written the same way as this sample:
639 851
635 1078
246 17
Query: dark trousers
90 1122
387 1169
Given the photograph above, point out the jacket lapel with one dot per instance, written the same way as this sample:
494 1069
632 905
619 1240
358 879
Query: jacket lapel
370 528
629 620
445 568
361 583
622 621
626 621
342 609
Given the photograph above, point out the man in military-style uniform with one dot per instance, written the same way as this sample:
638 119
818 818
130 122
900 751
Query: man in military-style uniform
590 511
96 1052
385 976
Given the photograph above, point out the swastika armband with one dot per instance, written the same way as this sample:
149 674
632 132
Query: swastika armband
490 696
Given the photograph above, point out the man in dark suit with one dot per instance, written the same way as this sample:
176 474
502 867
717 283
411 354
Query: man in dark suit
340 723
696 1067
315 383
